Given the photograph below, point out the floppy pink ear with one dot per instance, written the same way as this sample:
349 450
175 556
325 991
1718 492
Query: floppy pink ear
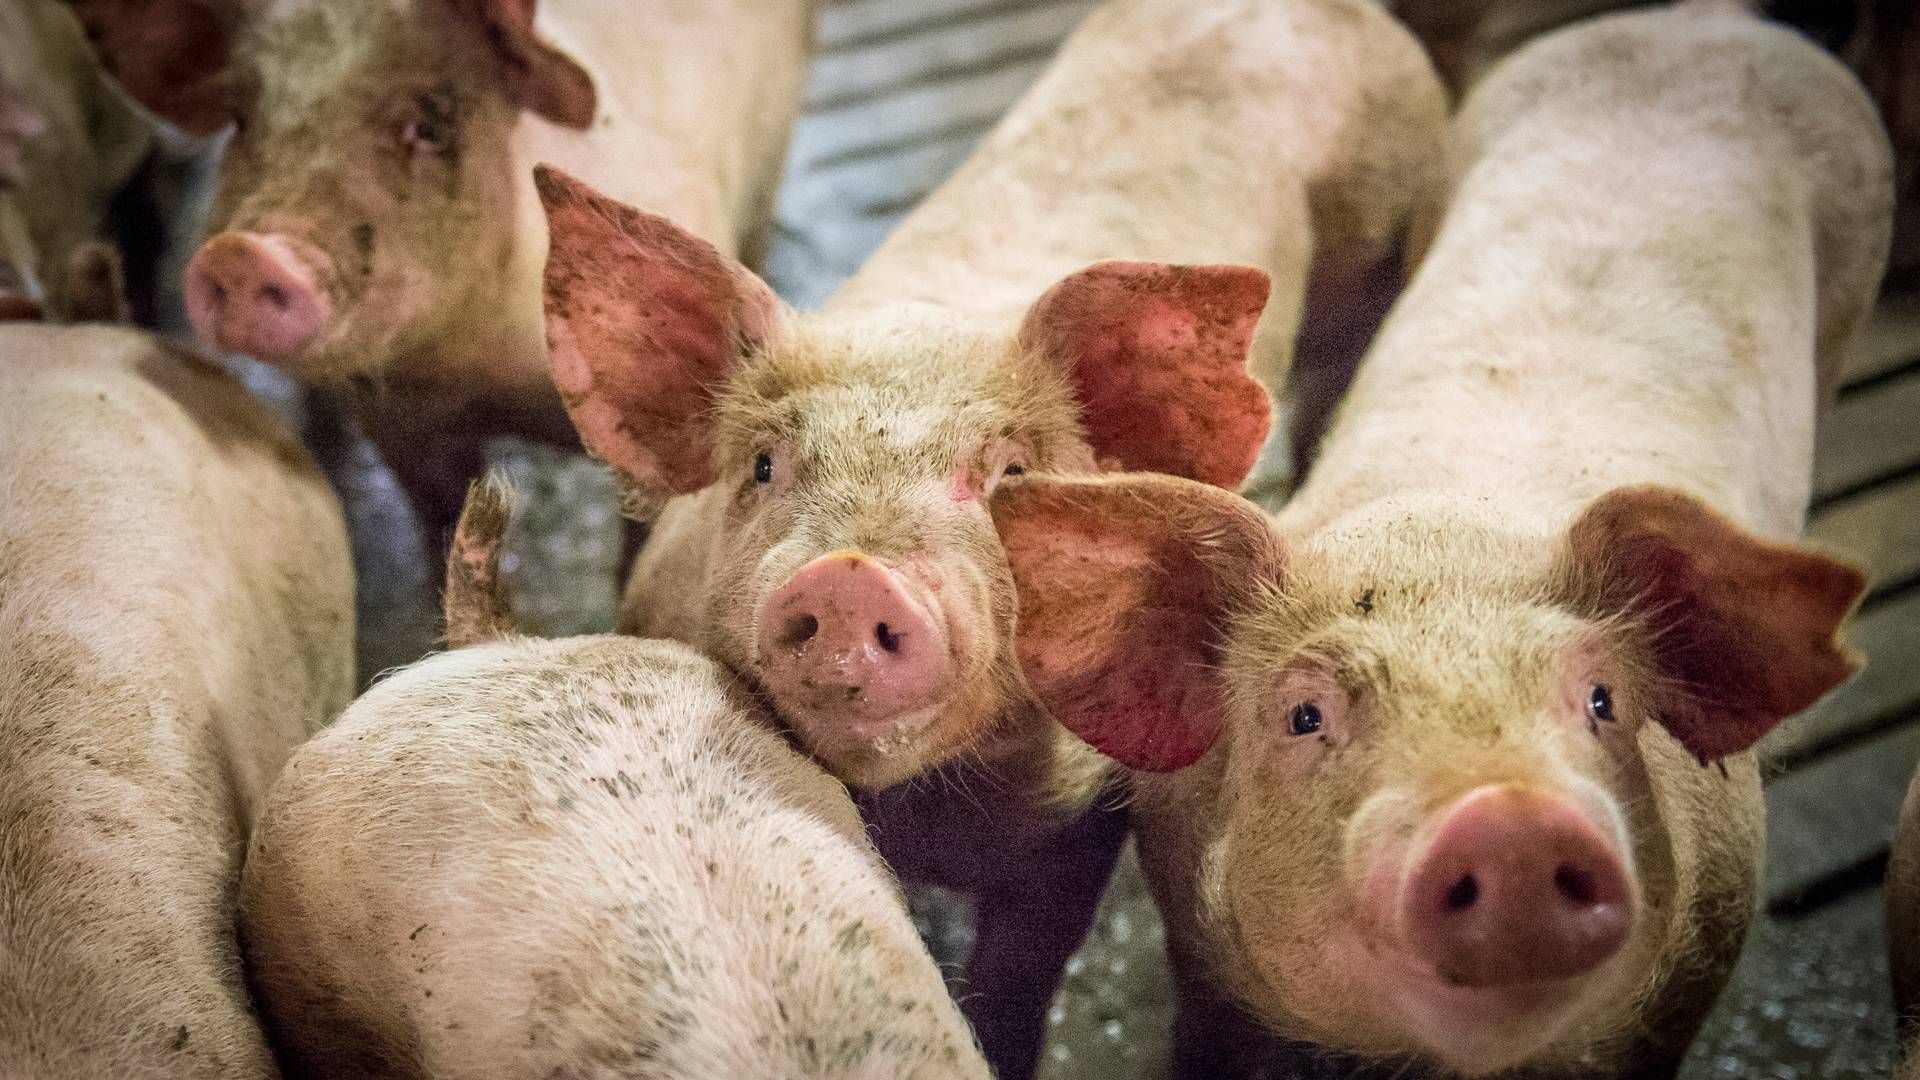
645 323
538 76
169 55
1158 356
1743 629
1125 583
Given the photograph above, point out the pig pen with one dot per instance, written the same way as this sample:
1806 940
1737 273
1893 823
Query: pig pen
901 90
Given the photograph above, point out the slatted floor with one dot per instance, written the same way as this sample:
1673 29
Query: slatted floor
902 90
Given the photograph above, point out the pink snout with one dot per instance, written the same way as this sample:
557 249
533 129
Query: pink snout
1516 887
256 293
848 637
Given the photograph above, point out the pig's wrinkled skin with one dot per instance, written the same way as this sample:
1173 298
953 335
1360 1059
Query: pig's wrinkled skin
586 857
178 608
1573 459
68 143
1299 139
377 226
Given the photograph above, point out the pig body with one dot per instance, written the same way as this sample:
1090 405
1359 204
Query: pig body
830 541
377 229
68 143
178 610
591 856
1437 734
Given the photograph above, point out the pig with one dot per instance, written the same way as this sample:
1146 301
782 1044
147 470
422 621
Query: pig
1450 762
177 610
1903 927
588 856
69 142
375 227
820 479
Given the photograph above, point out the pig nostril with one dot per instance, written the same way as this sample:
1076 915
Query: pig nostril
219 293
799 630
1462 894
1576 885
275 295
889 640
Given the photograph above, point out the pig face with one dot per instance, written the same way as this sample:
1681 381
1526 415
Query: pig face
858 578
1446 748
366 205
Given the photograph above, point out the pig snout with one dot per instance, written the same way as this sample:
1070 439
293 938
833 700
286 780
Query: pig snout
1515 887
847 637
256 293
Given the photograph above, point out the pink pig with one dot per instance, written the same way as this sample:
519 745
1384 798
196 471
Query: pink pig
377 228
829 538
584 857
176 615
1452 761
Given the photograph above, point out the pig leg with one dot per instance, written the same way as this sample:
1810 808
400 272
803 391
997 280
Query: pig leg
1027 932
434 456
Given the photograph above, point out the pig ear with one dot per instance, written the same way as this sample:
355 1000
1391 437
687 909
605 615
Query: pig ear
645 322
169 55
1125 582
1743 630
1158 356
540 77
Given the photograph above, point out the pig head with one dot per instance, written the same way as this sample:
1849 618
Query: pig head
834 468
366 206
1441 786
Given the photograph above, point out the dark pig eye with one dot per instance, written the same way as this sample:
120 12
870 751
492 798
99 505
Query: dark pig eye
1013 470
763 469
1305 719
1600 704
431 128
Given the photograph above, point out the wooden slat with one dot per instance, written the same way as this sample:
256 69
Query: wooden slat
1879 528
1838 811
896 122
1889 635
853 24
1869 435
1021 35
1891 340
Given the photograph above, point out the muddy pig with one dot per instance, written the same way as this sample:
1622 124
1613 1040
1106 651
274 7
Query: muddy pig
1451 761
377 230
175 616
583 856
827 538
68 143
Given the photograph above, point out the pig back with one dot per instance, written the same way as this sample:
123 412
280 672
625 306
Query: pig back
1240 132
175 601
1665 228
529 855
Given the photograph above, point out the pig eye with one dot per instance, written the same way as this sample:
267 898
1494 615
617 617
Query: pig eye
1600 703
763 469
1305 719
1014 470
431 127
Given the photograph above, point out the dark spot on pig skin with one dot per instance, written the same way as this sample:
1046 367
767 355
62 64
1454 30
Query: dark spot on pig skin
180 1038
1365 602
416 932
